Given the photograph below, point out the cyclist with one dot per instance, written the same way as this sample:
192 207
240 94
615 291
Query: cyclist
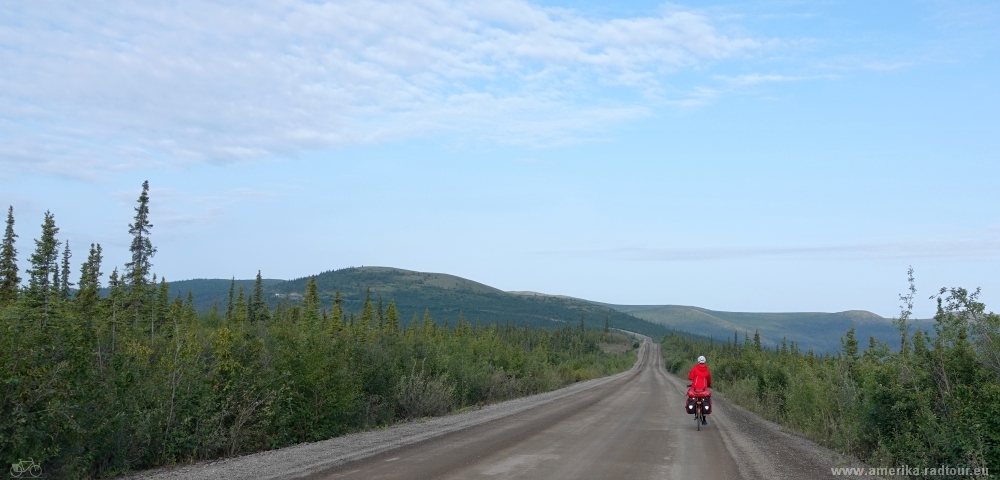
701 380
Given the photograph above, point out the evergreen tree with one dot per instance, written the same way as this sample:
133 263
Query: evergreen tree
414 326
9 281
229 303
427 326
380 315
258 306
392 319
137 270
240 308
54 286
850 345
336 323
189 314
607 322
90 283
65 284
44 262
310 302
367 313
161 306
116 294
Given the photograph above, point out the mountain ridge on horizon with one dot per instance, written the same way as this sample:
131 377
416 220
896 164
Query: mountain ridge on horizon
445 296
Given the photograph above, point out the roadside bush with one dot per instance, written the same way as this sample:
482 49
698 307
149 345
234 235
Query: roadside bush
421 396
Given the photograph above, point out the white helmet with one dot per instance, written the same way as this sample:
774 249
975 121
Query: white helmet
701 359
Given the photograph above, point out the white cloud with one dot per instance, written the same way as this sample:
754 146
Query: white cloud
90 87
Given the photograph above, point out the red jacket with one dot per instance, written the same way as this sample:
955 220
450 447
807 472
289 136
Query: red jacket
700 377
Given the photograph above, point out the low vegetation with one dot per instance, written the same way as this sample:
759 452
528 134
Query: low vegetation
934 401
95 386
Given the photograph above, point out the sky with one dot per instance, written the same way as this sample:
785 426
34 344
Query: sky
742 156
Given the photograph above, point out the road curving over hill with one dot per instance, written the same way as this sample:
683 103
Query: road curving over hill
630 425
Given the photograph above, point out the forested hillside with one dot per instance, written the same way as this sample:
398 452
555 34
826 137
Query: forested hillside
933 400
443 296
810 330
94 386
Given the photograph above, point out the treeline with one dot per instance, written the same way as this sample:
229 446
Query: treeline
93 387
933 402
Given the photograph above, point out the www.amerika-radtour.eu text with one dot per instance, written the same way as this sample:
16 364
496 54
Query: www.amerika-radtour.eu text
942 471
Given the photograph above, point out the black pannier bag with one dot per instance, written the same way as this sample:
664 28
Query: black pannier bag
707 406
690 406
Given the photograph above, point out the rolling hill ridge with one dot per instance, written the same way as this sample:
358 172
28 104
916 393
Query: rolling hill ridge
445 296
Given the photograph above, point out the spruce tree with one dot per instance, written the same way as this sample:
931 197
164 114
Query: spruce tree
258 306
367 313
380 314
427 326
44 261
65 284
392 319
310 302
190 315
116 292
54 285
162 303
240 308
337 315
137 270
9 281
229 304
90 283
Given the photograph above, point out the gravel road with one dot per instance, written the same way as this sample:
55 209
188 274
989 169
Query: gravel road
630 425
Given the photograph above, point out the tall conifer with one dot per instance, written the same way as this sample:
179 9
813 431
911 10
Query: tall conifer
380 314
337 315
258 306
240 308
10 282
392 319
161 306
116 293
64 283
44 262
367 313
190 315
427 326
310 302
229 304
137 270
54 285
90 283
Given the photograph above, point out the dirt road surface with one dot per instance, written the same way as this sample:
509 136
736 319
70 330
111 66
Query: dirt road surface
632 427
628 426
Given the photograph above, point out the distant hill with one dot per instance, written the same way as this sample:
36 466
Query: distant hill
819 331
444 296
206 291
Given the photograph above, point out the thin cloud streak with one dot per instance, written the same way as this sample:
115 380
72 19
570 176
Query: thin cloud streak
133 84
965 250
